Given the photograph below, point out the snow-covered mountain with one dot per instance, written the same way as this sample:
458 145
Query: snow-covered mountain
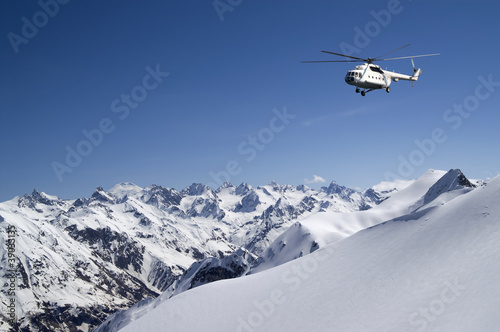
318 230
78 261
425 259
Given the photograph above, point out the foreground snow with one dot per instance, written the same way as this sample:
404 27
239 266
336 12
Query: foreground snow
433 268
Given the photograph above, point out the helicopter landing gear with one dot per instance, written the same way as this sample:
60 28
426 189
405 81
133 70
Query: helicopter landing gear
388 89
364 91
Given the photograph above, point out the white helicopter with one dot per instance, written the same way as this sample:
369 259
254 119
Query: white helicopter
368 77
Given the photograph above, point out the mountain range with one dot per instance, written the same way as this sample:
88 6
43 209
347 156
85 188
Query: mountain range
78 261
412 255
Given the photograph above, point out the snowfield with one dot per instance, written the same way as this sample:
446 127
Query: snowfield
429 261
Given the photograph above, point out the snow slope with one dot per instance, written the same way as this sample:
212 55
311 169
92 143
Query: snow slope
431 269
329 227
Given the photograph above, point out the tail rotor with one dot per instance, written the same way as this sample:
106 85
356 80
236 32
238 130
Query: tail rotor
416 72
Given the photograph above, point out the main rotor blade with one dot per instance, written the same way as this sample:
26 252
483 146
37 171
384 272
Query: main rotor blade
391 51
333 61
409 57
347 56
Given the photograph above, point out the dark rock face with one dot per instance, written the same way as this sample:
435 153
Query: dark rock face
196 189
213 269
35 198
111 246
211 274
342 191
248 203
163 197
373 196
463 181
49 320
161 275
243 189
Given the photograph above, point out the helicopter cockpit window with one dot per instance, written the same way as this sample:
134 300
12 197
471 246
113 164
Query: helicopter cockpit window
376 69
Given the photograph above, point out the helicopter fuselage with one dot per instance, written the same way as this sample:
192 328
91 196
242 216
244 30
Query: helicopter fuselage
372 77
368 76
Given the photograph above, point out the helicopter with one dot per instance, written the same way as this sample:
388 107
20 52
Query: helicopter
369 76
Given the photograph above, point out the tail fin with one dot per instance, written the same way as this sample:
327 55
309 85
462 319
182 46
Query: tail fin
416 72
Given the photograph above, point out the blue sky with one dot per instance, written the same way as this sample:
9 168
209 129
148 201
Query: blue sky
176 92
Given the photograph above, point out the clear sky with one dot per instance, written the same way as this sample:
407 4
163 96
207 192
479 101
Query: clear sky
93 93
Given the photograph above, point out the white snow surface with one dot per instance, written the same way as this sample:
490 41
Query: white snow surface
407 266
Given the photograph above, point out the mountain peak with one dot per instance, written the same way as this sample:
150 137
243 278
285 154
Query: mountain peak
335 188
160 196
274 183
40 195
196 189
225 185
303 188
243 189
37 197
462 180
454 179
102 196
123 189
